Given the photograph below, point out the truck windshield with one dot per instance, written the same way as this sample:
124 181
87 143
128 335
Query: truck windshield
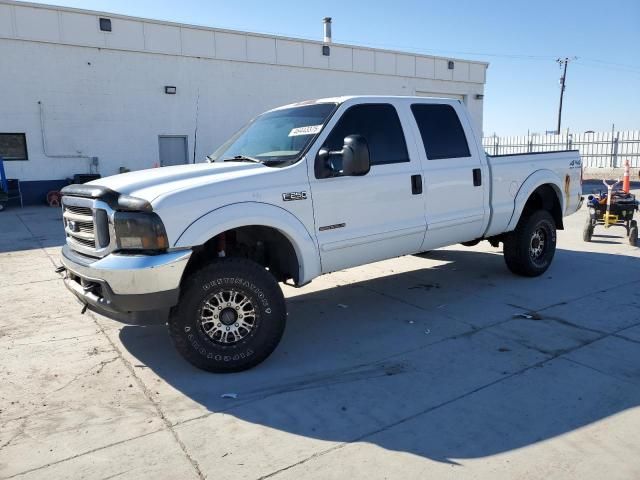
277 136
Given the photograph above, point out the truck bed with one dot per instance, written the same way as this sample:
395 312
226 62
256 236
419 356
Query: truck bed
508 177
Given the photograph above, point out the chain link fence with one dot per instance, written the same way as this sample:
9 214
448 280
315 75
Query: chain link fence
597 149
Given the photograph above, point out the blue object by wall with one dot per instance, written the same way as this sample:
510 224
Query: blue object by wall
3 177
35 192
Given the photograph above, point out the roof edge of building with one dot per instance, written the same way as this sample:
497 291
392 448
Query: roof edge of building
226 30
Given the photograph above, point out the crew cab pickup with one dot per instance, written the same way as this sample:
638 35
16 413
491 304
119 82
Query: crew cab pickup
303 190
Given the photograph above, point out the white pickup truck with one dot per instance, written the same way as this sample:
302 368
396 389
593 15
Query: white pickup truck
301 191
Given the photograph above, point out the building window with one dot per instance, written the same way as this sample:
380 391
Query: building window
105 24
13 146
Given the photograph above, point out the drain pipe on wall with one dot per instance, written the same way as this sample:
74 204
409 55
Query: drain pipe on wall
93 160
195 131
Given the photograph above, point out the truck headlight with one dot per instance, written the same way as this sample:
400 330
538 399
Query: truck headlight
139 231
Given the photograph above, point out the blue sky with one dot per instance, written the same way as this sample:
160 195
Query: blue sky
521 40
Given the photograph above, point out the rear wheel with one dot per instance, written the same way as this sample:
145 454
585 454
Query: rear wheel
530 248
633 234
230 317
471 243
587 233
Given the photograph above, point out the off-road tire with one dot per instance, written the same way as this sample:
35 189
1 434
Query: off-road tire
471 243
587 232
239 275
519 244
633 236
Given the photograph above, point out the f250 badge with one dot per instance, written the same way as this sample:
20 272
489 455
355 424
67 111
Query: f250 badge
291 196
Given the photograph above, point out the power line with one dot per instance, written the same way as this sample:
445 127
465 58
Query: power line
412 49
615 64
609 67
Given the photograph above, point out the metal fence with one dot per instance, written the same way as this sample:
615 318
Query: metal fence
597 149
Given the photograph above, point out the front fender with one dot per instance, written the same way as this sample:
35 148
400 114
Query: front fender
533 181
259 214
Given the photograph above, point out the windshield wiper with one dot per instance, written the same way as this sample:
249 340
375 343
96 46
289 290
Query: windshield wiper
242 158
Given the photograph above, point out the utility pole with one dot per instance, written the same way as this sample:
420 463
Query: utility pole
563 62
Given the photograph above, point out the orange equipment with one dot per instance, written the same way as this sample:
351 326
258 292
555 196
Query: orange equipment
625 183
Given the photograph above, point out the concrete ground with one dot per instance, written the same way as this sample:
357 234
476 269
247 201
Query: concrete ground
435 366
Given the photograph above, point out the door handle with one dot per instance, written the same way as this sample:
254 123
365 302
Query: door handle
477 177
416 184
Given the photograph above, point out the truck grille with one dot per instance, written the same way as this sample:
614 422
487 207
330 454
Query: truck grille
78 224
86 211
86 227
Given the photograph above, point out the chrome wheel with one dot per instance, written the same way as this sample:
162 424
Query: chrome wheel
536 248
227 317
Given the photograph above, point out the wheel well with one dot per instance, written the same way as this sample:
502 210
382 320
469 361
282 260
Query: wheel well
266 246
544 198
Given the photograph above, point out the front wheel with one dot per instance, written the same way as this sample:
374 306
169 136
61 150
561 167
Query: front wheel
529 249
230 317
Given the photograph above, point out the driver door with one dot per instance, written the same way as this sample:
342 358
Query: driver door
362 219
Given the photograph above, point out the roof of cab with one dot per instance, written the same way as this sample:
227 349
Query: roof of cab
344 98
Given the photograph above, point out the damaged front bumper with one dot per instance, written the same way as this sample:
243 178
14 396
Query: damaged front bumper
125 283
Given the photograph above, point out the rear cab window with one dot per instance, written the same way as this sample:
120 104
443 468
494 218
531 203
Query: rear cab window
441 131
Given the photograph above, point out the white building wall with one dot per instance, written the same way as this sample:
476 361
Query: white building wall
102 94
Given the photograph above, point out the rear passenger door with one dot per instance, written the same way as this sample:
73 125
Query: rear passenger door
455 176
361 219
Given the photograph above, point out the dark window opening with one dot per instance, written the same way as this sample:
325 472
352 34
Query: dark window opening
13 146
379 125
441 131
105 24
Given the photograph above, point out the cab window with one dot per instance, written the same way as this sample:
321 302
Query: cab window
441 131
379 125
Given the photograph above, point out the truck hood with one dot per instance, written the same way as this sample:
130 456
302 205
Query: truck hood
152 183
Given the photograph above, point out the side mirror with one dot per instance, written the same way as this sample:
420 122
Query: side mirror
355 156
352 160
323 167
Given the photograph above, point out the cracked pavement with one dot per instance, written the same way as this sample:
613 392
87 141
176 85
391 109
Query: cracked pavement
440 365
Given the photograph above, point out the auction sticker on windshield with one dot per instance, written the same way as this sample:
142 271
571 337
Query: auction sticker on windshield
310 130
